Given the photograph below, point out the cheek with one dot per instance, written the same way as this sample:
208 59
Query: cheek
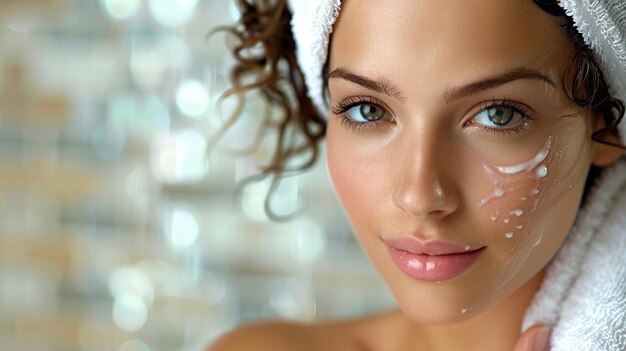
362 174
524 214
531 205
354 179
515 192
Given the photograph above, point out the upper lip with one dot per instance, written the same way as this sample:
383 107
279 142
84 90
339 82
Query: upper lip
433 247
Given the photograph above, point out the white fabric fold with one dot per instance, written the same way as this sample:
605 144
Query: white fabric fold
583 296
602 24
312 22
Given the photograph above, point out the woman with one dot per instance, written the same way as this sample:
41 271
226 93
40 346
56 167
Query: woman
460 136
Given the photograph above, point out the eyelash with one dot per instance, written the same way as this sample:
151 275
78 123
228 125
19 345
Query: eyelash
521 126
343 106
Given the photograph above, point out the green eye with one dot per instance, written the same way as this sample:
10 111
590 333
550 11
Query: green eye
500 115
366 112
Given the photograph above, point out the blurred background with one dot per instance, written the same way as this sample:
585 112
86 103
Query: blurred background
118 230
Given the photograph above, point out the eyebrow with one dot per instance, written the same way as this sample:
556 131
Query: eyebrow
380 85
385 87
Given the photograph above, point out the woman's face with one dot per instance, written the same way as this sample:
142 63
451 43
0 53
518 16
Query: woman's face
450 124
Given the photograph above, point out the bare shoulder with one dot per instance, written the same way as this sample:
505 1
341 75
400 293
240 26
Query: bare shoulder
274 336
346 335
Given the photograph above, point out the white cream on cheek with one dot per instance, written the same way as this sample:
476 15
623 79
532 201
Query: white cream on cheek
533 169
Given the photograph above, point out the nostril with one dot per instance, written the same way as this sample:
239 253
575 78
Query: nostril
426 206
438 213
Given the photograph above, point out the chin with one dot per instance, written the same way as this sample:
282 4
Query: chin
439 317
450 302
437 305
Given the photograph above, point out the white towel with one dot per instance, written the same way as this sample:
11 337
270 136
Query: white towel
583 296
311 23
603 26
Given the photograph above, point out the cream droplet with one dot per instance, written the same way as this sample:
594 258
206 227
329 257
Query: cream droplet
499 192
523 198
507 220
509 235
467 248
519 227
542 171
518 212
535 191
464 311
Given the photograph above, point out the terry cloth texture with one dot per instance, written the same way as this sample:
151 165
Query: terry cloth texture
311 24
583 295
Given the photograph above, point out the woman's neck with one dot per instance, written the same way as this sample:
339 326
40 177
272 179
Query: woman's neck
495 329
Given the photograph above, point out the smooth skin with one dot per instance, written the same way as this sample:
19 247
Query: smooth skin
345 336
421 169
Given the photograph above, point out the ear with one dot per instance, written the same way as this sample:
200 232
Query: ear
605 155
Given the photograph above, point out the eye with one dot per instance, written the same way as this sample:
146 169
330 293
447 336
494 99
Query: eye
361 113
366 112
499 116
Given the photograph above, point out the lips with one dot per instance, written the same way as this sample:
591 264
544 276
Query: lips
433 260
436 247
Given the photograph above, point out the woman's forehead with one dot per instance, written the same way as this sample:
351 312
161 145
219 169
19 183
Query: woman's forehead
444 36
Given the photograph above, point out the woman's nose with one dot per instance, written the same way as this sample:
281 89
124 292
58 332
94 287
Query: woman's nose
424 188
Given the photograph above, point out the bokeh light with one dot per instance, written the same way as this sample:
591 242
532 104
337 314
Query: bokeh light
160 255
192 98
181 228
121 9
129 312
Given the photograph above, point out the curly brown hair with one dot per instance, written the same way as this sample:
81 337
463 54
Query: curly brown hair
265 62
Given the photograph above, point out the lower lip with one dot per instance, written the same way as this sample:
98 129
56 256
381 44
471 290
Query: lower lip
436 267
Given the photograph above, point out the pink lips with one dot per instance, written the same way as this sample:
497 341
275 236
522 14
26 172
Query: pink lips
433 260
